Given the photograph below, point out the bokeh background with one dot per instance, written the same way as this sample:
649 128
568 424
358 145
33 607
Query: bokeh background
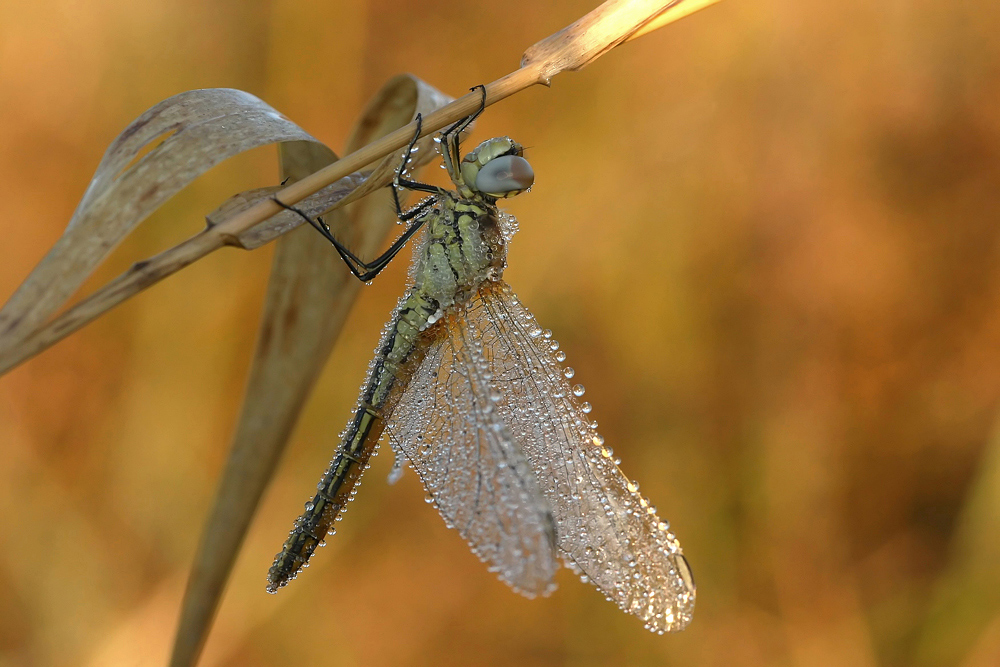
766 236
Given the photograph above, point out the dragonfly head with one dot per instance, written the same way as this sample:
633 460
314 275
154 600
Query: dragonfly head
496 168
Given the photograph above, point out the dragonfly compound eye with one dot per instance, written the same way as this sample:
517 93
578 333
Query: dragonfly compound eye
505 176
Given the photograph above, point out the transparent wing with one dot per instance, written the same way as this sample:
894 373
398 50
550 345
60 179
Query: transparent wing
446 425
604 528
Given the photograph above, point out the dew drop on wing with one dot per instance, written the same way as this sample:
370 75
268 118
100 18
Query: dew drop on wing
396 473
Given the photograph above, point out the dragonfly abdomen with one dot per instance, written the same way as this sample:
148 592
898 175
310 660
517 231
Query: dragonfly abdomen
339 483
333 492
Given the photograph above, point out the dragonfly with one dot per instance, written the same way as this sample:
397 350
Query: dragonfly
474 393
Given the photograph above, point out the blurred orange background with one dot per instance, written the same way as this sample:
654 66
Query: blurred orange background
766 237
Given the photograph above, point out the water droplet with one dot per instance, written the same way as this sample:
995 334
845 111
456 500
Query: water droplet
586 407
569 372
560 356
578 390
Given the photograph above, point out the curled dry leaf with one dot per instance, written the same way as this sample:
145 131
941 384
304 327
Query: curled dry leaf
579 44
675 12
196 130
613 23
285 221
309 295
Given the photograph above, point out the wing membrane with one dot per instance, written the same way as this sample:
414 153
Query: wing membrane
605 529
446 424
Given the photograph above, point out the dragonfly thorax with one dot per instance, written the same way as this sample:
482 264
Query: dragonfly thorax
464 246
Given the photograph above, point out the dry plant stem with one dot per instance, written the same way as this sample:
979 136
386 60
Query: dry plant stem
677 12
140 276
572 48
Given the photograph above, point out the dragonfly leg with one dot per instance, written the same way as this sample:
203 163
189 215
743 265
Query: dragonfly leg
364 271
399 182
451 137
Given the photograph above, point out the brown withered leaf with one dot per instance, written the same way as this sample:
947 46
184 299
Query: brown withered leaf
285 221
309 295
197 130
612 23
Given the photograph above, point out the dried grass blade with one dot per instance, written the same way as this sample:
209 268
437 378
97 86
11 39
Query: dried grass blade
293 342
308 298
404 91
319 203
616 21
198 129
673 13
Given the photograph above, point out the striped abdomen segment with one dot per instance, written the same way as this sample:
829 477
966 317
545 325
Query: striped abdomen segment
400 352
333 492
